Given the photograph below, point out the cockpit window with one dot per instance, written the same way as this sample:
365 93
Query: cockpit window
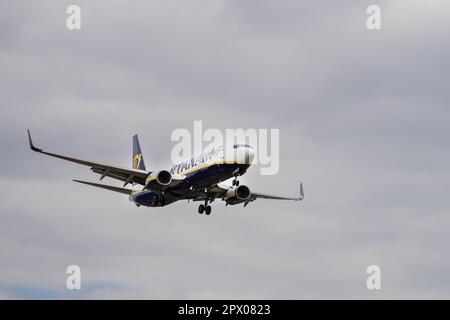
241 146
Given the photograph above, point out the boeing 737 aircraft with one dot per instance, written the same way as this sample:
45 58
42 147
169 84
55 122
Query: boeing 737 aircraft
197 179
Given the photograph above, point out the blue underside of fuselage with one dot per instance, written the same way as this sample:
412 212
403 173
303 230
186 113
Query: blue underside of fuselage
198 180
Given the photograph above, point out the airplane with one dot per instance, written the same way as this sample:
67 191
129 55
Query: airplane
199 178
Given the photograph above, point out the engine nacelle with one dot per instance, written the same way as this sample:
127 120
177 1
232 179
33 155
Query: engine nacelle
238 195
162 179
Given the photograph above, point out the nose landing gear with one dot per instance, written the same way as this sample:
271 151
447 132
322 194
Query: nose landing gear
235 180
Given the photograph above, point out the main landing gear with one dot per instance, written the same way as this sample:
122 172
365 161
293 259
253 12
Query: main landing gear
204 208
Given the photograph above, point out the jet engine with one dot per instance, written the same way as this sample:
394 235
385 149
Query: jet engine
237 195
162 179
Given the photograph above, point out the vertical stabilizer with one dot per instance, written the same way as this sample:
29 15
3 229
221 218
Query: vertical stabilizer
138 159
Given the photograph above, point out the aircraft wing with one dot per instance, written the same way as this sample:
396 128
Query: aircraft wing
219 191
120 173
256 195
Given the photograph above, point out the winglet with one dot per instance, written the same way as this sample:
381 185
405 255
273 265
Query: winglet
302 195
32 147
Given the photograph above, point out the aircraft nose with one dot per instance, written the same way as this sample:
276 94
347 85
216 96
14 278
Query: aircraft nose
249 155
243 154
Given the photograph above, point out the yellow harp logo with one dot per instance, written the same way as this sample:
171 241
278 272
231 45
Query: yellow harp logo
137 160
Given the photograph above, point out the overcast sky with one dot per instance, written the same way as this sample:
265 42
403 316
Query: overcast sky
363 119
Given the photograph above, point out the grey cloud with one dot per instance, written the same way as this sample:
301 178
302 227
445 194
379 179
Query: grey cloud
362 117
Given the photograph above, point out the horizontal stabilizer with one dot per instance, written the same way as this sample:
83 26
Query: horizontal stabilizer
104 186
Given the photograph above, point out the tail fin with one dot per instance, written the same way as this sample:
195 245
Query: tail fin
138 159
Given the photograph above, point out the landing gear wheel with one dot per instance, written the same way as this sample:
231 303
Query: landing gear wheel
237 183
208 210
201 209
